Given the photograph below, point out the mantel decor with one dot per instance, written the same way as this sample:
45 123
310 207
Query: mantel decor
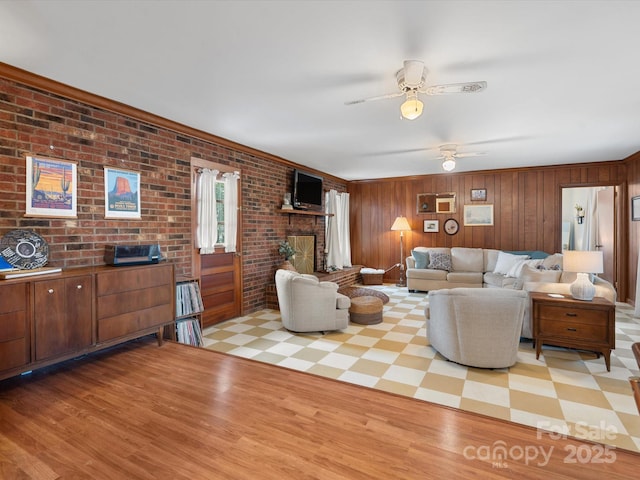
121 194
51 188
304 246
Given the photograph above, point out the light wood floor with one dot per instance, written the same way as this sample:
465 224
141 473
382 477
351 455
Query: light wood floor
140 411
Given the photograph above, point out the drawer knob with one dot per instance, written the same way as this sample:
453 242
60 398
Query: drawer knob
51 290
79 287
572 329
571 314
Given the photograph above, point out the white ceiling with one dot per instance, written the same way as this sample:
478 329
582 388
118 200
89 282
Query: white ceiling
274 75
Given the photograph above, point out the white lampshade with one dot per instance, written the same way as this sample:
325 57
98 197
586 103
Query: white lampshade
583 263
412 106
401 224
449 164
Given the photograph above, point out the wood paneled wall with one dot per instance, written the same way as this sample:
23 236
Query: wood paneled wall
527 210
633 231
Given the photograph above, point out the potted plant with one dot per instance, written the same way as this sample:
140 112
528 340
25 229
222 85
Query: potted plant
288 252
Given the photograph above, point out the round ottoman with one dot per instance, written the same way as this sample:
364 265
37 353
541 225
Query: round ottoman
365 310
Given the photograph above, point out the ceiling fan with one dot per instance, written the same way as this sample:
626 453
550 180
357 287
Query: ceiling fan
411 82
449 153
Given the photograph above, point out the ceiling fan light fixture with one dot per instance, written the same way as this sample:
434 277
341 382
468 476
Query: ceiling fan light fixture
412 106
449 164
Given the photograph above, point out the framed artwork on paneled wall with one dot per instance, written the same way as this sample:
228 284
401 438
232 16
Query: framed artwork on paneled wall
478 215
431 226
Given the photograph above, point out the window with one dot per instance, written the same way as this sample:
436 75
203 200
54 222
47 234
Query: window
220 211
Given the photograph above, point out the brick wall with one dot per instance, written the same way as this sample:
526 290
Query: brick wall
31 121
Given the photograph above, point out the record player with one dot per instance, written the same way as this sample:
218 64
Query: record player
132 254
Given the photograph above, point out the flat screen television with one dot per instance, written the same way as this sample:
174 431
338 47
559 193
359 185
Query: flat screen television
307 191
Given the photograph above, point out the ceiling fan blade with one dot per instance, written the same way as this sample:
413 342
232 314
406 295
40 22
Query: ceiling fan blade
413 72
468 87
379 97
470 154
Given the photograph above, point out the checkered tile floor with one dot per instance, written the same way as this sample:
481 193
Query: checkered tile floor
564 391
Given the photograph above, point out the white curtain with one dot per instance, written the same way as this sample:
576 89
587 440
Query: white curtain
230 211
207 228
337 233
586 234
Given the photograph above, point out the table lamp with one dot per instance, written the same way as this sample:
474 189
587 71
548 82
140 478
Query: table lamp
582 262
401 225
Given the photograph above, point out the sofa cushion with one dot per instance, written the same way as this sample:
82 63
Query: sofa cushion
440 261
497 280
427 274
465 277
490 259
516 269
506 261
530 274
421 258
553 262
467 259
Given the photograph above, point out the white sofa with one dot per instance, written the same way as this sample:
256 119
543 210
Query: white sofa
489 268
468 267
309 305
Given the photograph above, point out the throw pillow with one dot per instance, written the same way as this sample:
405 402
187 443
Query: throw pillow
440 261
506 261
553 262
530 274
421 258
516 269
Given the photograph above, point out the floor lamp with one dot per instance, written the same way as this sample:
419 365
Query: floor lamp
401 225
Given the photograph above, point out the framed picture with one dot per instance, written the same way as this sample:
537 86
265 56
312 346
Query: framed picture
431 226
121 193
426 203
51 188
436 202
478 215
635 208
478 194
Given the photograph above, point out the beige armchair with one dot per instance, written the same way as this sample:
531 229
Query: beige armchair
476 327
309 305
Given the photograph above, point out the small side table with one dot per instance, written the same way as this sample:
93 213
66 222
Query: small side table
570 323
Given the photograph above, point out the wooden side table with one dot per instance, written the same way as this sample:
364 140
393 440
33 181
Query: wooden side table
579 324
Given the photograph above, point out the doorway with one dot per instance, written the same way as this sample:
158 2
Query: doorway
219 272
589 223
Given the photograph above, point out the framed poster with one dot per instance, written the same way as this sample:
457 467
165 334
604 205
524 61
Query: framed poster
121 193
478 194
431 226
51 188
478 215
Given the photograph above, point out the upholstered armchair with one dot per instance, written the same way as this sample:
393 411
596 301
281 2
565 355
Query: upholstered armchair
479 327
309 305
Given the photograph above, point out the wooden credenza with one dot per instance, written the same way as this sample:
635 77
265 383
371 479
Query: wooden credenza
50 318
